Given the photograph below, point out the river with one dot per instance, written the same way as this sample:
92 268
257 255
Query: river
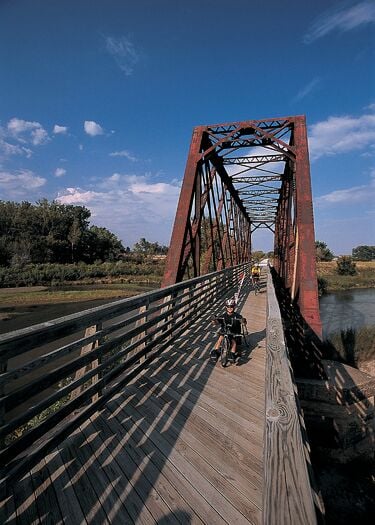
339 310
347 309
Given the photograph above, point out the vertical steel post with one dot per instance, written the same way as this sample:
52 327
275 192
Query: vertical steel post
305 272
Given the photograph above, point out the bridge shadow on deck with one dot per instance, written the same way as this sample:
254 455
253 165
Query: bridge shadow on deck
152 455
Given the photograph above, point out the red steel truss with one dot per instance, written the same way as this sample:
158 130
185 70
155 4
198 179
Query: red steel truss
239 177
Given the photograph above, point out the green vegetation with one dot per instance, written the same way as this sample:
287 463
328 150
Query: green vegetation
364 253
49 232
354 347
346 266
364 278
323 253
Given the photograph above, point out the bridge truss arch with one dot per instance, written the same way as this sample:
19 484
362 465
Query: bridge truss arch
240 177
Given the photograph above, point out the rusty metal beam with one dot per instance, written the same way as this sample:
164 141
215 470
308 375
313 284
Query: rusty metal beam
226 195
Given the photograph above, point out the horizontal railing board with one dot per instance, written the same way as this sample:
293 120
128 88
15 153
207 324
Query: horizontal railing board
12 400
18 466
178 305
49 330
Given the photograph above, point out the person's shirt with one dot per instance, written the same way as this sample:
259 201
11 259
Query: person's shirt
234 321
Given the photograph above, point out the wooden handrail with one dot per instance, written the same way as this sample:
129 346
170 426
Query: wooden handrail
288 496
92 367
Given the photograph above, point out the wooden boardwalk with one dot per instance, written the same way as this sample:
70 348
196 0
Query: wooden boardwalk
182 444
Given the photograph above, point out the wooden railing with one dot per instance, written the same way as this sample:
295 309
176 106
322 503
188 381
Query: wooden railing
81 360
289 497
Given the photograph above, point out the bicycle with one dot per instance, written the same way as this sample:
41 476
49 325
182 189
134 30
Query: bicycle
256 285
226 343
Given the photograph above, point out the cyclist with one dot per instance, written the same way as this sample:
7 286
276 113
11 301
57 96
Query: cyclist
233 319
255 274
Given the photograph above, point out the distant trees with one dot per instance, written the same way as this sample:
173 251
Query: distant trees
149 248
50 232
363 253
323 253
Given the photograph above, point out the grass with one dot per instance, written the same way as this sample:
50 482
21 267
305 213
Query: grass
365 277
352 346
36 295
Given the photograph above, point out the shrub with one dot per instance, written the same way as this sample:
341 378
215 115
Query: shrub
346 266
322 286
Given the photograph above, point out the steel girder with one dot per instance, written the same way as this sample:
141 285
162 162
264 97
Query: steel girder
239 177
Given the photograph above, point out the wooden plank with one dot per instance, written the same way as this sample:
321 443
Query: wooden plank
208 441
186 457
191 475
81 478
24 501
288 497
150 485
68 501
126 506
45 495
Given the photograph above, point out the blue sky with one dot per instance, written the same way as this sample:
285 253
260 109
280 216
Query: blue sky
98 100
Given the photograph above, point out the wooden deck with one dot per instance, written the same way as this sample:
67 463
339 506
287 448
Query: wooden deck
182 444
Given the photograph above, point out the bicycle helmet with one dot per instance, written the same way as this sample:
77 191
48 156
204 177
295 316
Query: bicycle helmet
230 302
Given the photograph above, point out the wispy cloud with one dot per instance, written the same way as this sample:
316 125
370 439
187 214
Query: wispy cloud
124 153
124 53
341 134
351 196
19 184
8 150
92 128
341 19
116 202
307 89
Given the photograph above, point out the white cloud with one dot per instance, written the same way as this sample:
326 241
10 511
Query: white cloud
8 150
27 132
129 205
124 53
60 172
76 196
350 196
124 153
341 134
341 19
92 128
59 130
19 184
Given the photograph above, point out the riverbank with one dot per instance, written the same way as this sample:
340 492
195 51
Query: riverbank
365 277
28 305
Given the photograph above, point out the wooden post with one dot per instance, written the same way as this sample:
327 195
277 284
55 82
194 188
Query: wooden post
91 330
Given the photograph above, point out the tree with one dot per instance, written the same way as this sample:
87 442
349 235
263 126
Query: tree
149 248
363 253
103 245
323 253
50 232
74 235
346 266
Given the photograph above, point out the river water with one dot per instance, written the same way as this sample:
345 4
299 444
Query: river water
347 309
339 310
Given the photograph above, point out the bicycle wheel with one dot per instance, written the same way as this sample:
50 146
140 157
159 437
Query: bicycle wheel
224 352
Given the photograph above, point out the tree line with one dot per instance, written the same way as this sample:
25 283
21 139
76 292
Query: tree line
359 253
53 233
50 232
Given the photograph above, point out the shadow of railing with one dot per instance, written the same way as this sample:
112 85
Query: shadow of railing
113 461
